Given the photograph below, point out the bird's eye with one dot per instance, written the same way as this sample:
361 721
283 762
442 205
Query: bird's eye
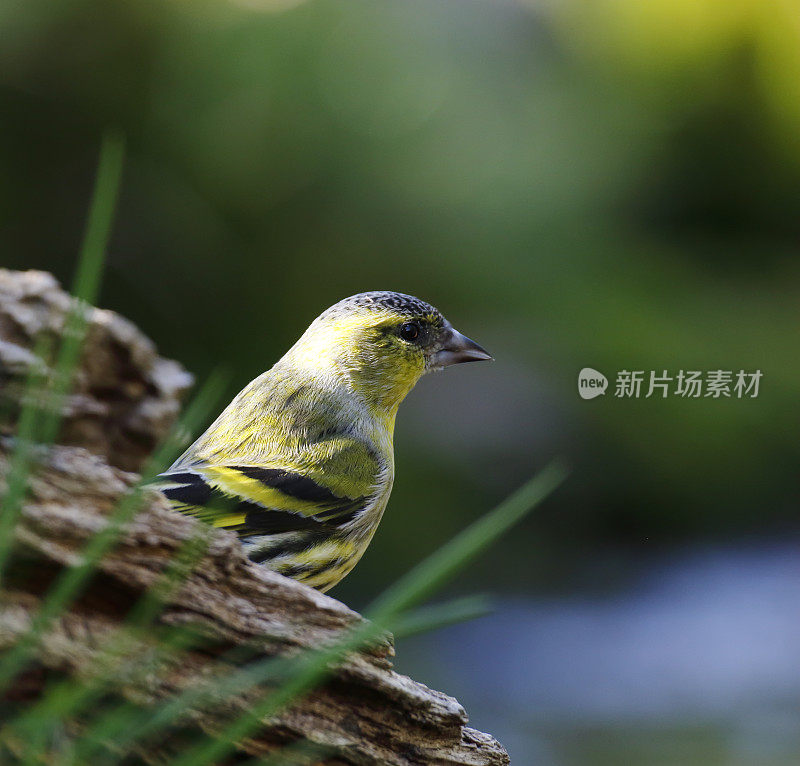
409 331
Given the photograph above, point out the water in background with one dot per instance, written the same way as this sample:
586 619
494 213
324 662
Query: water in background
698 663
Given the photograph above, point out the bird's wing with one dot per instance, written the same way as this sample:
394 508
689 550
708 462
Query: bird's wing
267 499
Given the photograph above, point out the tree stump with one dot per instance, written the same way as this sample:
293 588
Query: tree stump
124 400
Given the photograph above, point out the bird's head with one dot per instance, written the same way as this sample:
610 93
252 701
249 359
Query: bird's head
380 344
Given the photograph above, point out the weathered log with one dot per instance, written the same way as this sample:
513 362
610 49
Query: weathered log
126 399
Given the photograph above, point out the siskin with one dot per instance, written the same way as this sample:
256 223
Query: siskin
300 464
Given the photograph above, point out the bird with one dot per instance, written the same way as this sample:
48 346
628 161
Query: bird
300 464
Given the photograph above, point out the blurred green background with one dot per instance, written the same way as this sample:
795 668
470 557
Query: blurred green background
613 184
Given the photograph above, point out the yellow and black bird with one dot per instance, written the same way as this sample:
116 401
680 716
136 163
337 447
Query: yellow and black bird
301 463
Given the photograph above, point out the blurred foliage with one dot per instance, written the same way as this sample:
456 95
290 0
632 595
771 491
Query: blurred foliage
609 184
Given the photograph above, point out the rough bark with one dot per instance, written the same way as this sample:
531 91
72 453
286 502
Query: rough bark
126 399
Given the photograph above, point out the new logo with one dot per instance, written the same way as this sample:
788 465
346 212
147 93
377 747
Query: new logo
591 383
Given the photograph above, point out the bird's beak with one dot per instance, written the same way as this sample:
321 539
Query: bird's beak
457 348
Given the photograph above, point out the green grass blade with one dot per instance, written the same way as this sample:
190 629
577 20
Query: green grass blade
303 673
438 568
127 723
410 590
88 275
69 584
101 216
428 618
68 698
22 456
307 672
41 412
301 753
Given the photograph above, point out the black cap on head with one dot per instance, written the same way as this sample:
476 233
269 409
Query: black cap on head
386 299
405 304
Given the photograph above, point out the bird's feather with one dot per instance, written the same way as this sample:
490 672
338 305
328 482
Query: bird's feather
258 500
285 518
300 464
